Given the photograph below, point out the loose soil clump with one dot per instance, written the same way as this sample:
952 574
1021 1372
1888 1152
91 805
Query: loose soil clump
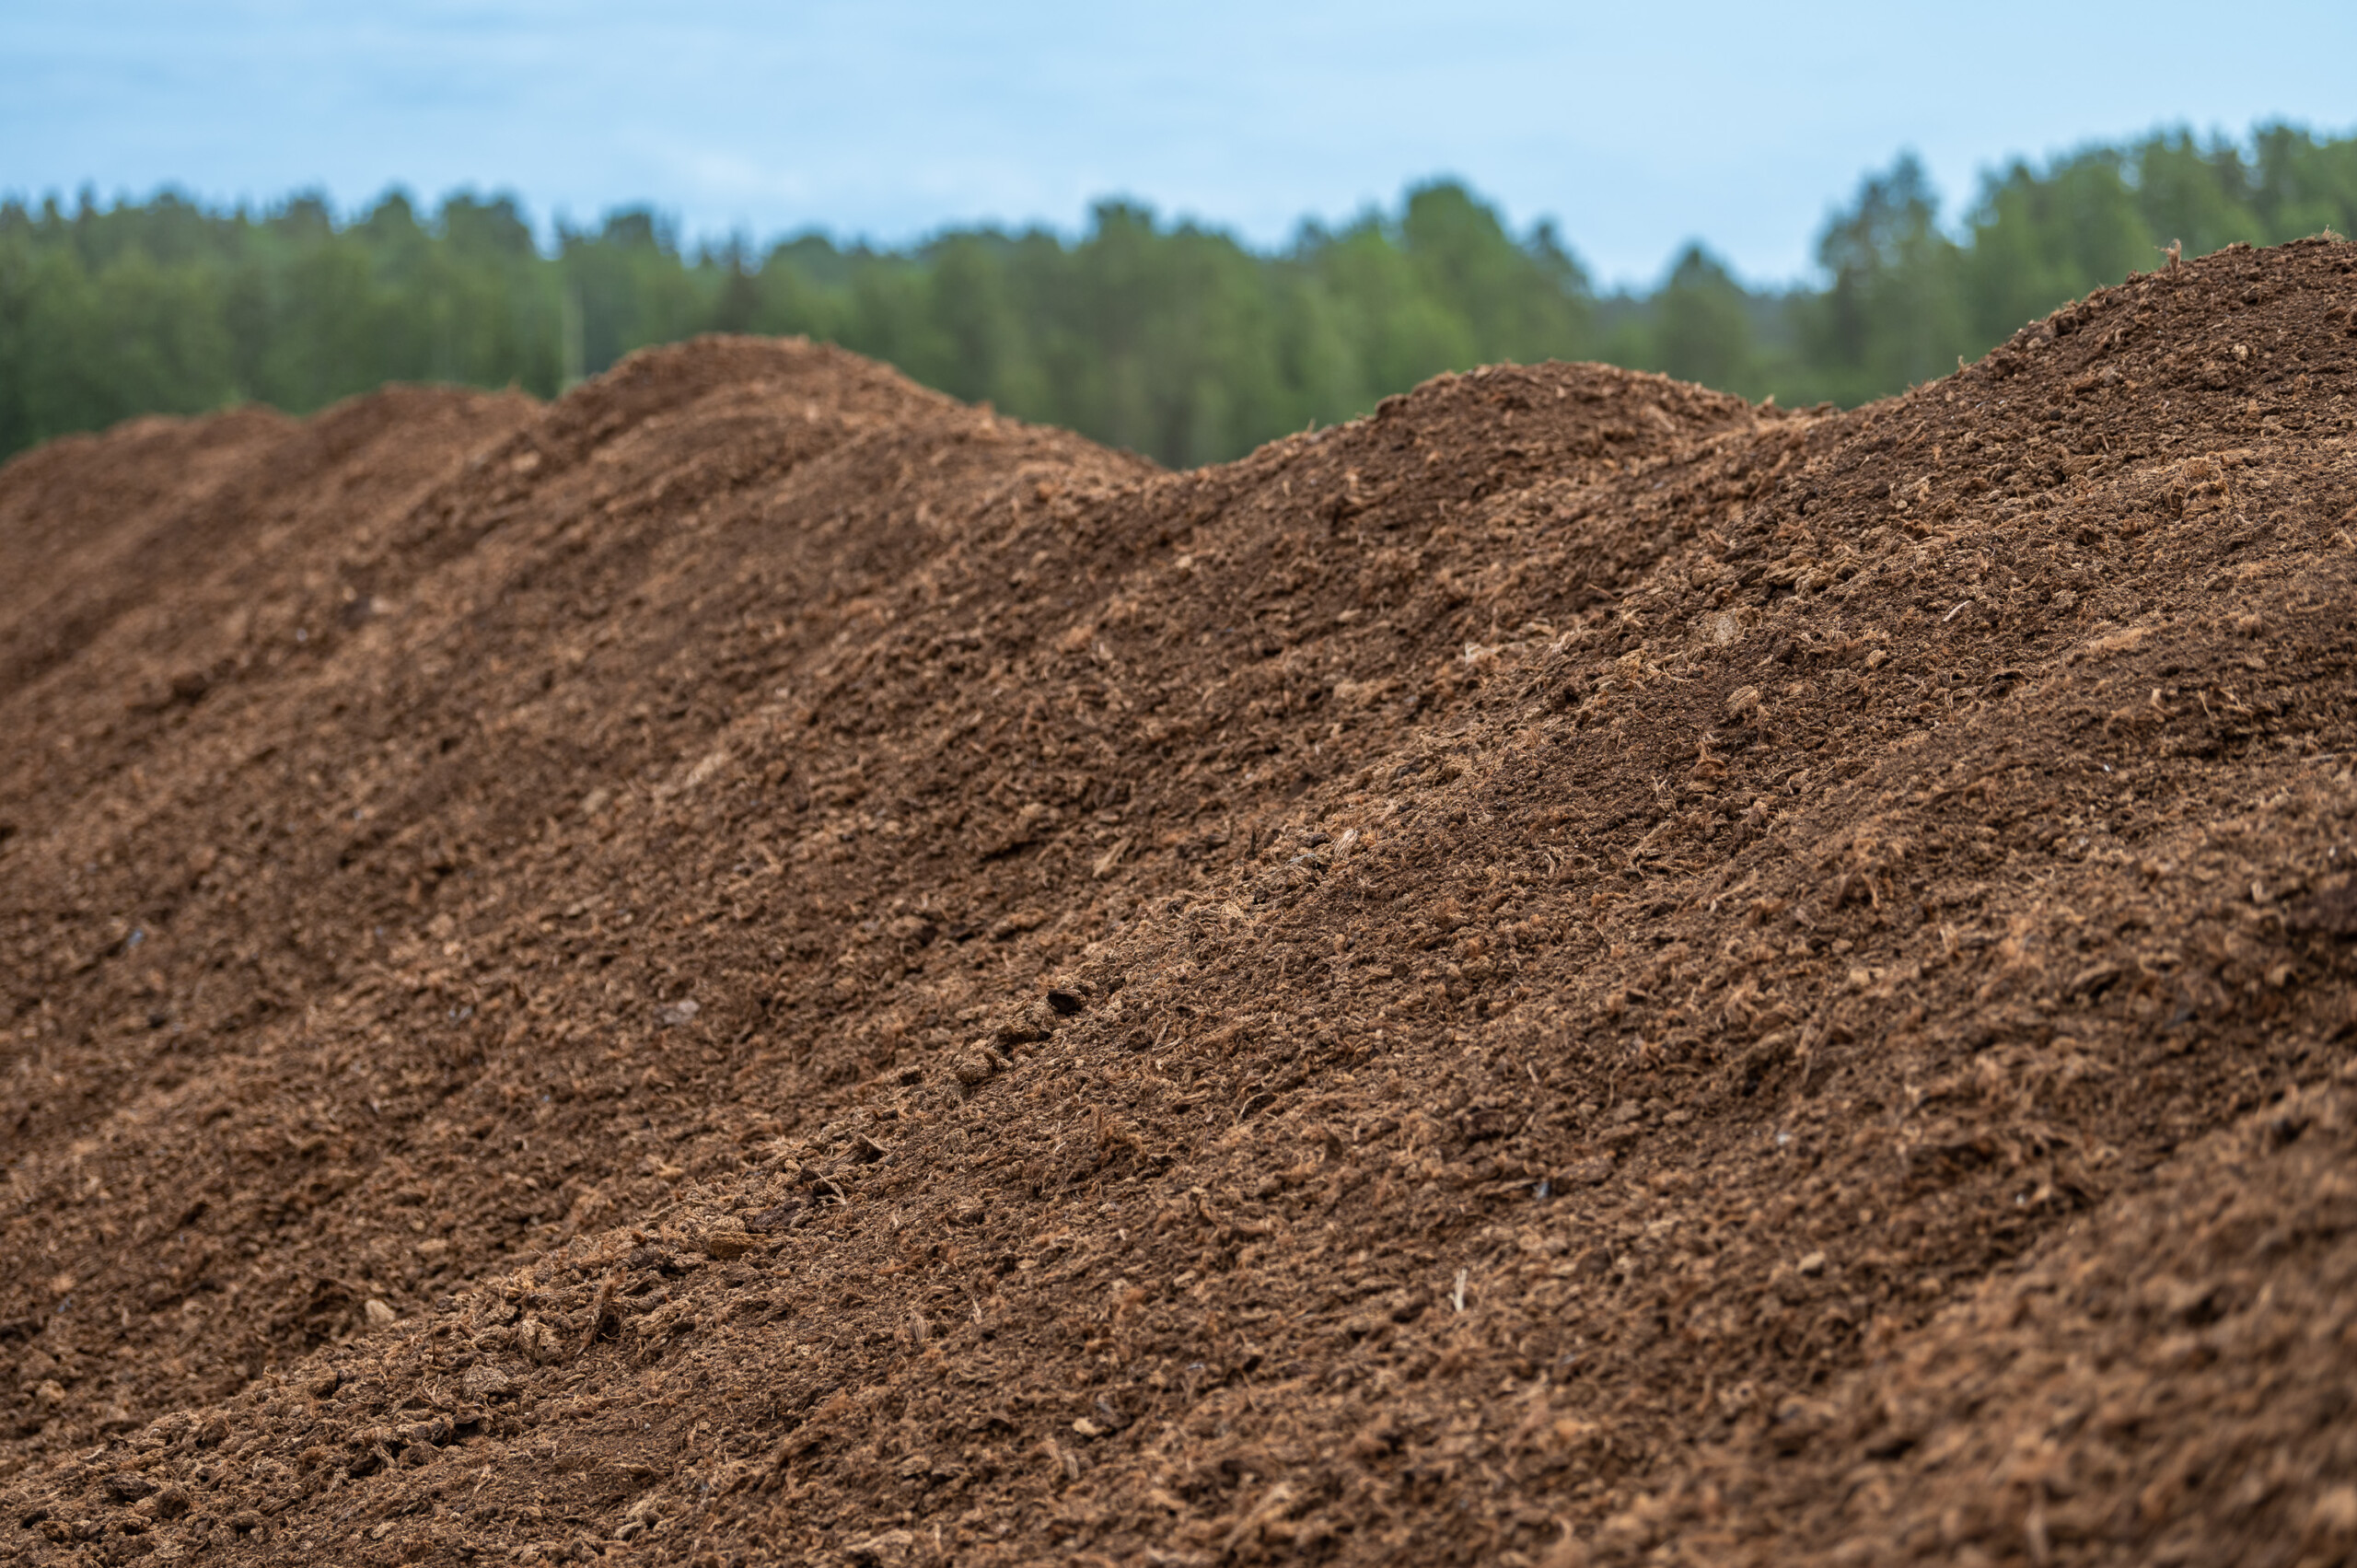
757 965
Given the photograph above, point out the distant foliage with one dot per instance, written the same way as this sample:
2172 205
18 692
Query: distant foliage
1174 341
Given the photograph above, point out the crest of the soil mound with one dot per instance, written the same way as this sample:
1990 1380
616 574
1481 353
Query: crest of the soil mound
759 966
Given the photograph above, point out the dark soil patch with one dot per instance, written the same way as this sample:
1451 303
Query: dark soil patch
757 965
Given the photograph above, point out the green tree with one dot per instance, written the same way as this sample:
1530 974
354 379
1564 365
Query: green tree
1702 325
2039 239
1172 338
1892 316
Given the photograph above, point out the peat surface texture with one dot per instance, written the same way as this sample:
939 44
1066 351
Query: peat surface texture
757 965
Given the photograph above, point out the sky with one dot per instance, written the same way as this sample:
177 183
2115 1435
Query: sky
1635 128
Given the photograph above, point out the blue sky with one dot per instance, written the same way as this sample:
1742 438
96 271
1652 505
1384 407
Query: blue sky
1633 127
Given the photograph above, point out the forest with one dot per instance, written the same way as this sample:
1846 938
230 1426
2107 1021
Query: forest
1169 339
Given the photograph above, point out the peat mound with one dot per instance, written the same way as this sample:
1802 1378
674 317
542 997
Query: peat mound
757 965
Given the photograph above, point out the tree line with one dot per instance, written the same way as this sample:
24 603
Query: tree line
1173 339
